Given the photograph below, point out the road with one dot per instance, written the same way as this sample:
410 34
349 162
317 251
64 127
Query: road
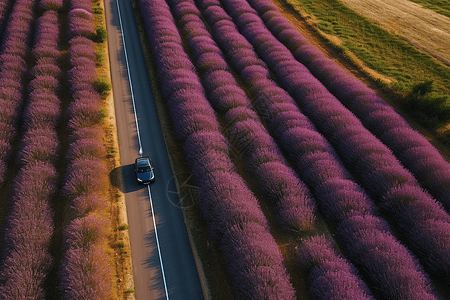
170 272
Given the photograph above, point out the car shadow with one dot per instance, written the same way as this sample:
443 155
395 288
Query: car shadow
124 179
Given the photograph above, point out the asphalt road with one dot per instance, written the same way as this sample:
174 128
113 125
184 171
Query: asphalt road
171 272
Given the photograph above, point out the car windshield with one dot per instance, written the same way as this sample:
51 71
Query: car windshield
144 169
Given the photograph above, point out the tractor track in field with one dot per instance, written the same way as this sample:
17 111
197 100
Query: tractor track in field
423 28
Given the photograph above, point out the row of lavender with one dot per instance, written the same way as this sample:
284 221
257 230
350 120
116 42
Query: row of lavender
29 227
3 15
290 197
410 147
235 220
84 268
26 260
342 202
13 69
293 204
423 223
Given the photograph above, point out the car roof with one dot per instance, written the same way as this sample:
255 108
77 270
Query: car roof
143 161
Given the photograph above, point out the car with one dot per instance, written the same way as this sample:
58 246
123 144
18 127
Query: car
144 170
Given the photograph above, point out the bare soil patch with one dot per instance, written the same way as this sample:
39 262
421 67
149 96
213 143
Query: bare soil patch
423 28
118 243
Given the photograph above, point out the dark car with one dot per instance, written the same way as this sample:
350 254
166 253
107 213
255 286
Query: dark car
144 170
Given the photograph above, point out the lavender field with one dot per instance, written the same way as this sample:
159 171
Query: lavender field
284 144
52 235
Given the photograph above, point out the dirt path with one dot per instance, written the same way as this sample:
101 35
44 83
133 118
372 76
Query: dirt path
423 28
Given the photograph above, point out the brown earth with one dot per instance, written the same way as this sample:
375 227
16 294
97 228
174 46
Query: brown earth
423 28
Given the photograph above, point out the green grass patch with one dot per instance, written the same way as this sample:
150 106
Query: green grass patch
103 113
431 109
100 35
100 56
103 86
123 227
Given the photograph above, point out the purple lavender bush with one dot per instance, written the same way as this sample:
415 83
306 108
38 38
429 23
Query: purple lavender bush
45 52
84 204
42 68
84 233
13 66
81 4
330 275
47 30
86 148
83 112
80 23
85 274
38 145
89 95
13 69
45 84
79 77
29 230
212 154
3 13
81 46
255 264
9 112
17 26
42 96
83 176
393 258
86 133
50 5
235 210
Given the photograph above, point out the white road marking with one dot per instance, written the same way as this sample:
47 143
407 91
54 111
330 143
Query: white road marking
141 150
